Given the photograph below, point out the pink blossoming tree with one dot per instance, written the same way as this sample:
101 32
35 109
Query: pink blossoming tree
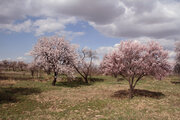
55 53
133 60
107 66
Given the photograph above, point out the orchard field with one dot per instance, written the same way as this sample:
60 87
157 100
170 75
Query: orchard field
104 98
89 60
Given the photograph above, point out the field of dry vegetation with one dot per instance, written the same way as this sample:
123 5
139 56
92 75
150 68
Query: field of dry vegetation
23 97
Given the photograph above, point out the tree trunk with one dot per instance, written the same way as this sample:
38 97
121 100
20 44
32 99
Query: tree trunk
115 75
86 79
131 92
55 77
32 73
48 71
38 74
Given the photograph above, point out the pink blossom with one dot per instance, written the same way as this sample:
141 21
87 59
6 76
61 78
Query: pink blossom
133 60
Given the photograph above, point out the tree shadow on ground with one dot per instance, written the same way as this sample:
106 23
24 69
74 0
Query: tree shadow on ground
78 82
10 95
15 78
120 79
22 78
140 93
175 82
96 80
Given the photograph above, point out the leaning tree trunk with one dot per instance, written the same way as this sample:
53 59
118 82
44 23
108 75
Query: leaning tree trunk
86 79
55 77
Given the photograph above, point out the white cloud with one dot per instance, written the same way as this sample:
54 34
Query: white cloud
27 54
98 11
20 27
47 25
97 61
8 59
101 51
146 20
172 56
70 34
42 26
52 25
167 44
104 50
101 11
21 58
155 19
122 19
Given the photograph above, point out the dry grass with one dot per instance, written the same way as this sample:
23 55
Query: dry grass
99 100
7 82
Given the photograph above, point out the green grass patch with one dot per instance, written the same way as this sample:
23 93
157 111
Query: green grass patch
104 98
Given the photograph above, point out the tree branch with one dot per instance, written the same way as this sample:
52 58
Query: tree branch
138 80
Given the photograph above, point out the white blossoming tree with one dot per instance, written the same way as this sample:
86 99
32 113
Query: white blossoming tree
55 53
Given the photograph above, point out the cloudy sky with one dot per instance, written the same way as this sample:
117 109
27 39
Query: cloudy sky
97 24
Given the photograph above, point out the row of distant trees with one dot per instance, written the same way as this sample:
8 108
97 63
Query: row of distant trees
13 65
34 68
19 66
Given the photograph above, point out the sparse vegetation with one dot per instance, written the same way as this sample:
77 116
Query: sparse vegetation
89 60
105 98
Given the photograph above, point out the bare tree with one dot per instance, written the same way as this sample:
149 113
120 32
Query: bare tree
6 64
22 65
13 65
85 63
177 65
1 66
33 67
